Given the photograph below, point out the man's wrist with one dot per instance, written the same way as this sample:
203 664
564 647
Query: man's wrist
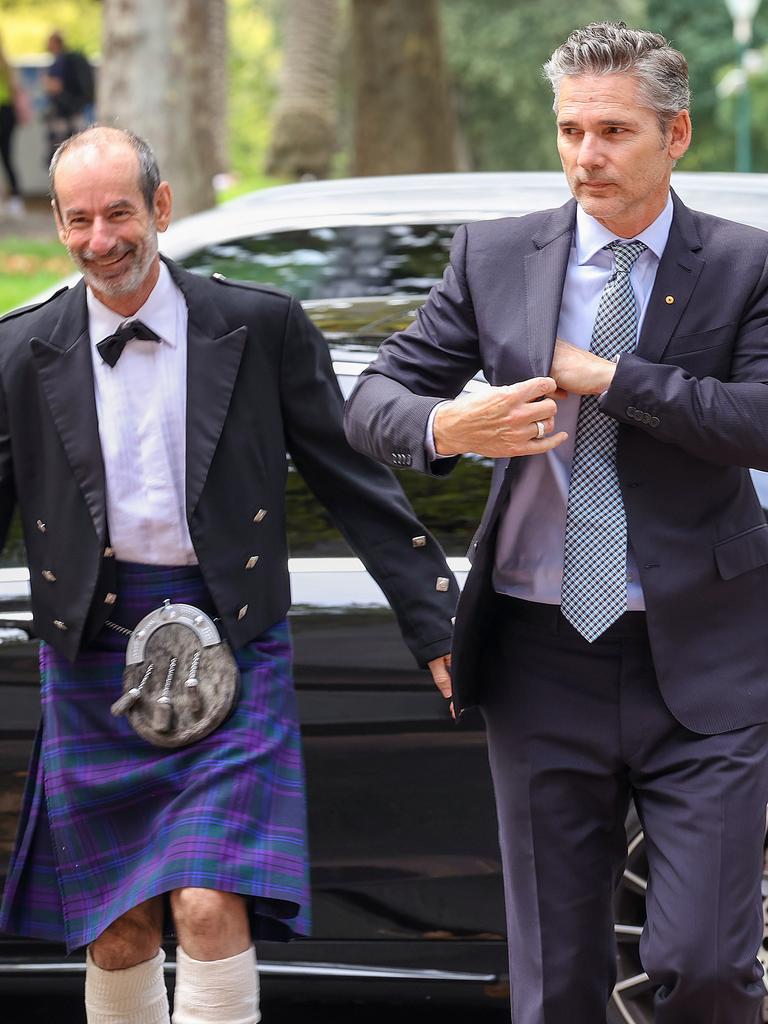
440 435
606 375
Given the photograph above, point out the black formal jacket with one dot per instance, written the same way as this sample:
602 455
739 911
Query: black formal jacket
692 408
259 381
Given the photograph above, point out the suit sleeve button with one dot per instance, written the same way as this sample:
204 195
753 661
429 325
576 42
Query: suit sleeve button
655 421
647 418
631 411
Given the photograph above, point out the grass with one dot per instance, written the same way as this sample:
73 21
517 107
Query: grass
27 267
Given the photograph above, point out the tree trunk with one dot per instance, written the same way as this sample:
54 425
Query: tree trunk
219 82
403 117
155 78
304 131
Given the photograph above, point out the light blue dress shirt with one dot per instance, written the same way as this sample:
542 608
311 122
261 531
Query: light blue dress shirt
529 547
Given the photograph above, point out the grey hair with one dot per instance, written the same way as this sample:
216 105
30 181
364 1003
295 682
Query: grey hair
149 172
609 47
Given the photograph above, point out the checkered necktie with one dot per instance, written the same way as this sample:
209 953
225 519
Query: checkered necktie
594 591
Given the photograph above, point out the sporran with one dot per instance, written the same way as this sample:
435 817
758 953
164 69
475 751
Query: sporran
181 680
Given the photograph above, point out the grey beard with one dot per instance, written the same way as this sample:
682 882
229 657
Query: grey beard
124 285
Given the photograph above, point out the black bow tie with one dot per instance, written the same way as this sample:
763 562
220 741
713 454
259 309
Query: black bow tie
111 348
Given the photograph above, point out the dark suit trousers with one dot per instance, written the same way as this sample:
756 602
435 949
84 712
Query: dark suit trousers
575 730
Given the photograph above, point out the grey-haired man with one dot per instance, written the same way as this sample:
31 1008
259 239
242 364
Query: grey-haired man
612 628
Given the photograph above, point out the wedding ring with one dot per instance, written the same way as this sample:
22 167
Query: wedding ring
539 430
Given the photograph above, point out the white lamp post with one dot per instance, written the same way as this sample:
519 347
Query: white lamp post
743 14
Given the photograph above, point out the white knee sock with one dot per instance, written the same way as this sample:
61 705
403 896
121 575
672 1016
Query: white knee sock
217 991
136 995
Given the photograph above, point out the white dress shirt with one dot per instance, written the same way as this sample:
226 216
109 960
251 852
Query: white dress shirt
529 546
141 403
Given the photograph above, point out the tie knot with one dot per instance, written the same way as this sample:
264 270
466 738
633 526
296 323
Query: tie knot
625 254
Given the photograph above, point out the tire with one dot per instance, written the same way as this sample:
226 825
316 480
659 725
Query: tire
632 999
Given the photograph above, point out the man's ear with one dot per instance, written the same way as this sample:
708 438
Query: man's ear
162 204
680 131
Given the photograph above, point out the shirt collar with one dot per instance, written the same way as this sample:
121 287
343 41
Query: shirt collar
158 312
591 236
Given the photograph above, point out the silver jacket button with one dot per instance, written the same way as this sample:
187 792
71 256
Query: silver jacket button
41 525
59 624
242 613
442 583
110 598
109 552
251 561
419 542
47 574
261 514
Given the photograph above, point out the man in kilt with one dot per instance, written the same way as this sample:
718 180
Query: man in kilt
148 463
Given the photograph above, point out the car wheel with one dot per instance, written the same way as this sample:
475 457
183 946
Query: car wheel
632 999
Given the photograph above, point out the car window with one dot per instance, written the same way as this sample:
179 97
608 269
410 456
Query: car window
13 552
335 262
450 507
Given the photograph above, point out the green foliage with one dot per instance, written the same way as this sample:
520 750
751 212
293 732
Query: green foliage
27 267
703 32
254 61
26 26
495 51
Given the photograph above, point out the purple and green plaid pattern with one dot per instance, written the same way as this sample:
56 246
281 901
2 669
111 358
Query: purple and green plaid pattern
110 821
594 590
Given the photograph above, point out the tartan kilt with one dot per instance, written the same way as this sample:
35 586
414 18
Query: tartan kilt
109 820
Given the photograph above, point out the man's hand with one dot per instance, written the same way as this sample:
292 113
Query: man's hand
501 422
580 372
441 673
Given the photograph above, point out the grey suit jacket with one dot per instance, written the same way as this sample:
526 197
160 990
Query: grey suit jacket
692 405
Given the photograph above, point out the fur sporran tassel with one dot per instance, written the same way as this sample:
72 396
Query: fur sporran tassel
162 714
126 702
193 695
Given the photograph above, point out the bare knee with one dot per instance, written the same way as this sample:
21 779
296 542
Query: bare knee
210 925
131 939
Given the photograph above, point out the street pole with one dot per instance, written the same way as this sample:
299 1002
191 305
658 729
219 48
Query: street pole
743 14
744 118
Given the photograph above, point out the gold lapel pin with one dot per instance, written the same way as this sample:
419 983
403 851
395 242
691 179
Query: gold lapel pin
669 299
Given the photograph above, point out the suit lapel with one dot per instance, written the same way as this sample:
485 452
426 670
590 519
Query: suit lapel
213 360
65 370
676 279
544 280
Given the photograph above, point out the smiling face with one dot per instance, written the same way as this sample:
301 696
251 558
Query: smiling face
103 220
615 157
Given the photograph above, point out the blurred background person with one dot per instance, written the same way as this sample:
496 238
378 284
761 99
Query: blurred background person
13 104
70 88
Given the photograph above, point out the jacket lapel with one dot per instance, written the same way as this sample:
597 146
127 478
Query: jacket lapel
544 280
214 352
676 278
65 370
